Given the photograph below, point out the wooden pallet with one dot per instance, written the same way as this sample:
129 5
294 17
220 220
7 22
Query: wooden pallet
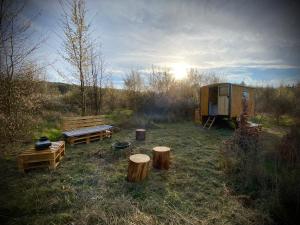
71 123
89 137
50 157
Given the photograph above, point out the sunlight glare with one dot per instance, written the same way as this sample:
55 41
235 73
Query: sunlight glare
179 70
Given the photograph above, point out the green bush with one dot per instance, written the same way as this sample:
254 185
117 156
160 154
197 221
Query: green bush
52 133
267 120
120 116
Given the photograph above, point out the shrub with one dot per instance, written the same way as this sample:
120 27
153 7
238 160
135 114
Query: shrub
276 190
52 133
19 108
289 148
120 117
241 156
286 204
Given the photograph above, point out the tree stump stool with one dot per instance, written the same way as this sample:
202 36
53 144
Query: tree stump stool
138 167
161 157
140 134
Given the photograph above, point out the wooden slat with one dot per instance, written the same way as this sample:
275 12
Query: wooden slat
52 148
72 123
236 101
83 117
49 157
88 138
87 131
84 122
204 101
251 106
72 126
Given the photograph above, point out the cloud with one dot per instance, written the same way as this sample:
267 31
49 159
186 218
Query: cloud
209 35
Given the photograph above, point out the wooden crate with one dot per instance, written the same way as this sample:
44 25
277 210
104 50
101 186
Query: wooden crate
89 137
50 158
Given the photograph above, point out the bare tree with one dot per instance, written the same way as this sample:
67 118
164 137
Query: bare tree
76 42
112 98
160 80
99 77
195 80
133 84
19 96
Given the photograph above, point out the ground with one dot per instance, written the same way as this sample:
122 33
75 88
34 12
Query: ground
90 187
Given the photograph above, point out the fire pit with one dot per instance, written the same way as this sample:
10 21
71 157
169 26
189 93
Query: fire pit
121 145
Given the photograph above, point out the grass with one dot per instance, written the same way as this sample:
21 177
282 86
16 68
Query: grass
90 187
269 121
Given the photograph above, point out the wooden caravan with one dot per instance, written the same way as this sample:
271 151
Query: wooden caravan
224 100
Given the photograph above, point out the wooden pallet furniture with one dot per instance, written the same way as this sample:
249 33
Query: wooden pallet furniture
50 157
85 129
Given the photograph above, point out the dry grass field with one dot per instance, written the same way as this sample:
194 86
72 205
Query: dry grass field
90 187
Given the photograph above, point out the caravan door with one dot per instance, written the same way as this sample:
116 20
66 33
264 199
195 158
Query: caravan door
223 100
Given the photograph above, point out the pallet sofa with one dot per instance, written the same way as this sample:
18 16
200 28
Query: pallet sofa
85 129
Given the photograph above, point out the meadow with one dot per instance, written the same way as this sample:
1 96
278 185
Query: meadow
90 187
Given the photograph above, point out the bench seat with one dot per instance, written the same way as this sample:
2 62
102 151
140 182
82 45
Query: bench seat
86 131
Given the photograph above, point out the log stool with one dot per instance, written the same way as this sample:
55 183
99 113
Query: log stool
140 134
138 167
161 157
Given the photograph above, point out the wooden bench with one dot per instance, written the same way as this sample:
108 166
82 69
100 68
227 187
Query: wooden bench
85 129
50 157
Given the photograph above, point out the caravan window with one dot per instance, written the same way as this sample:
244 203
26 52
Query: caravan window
245 94
223 91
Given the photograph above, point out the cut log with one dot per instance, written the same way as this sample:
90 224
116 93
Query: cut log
161 157
140 134
138 167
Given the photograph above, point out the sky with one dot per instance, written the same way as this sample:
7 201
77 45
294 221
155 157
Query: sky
255 41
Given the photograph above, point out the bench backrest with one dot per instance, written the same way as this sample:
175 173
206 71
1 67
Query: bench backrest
73 123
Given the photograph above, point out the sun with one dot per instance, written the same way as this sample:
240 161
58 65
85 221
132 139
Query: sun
179 70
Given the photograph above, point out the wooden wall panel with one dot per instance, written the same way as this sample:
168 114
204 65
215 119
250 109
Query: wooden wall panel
204 101
251 104
223 105
236 101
